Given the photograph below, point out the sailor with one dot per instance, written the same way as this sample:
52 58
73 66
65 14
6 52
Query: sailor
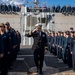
19 39
9 8
1 47
53 43
73 52
61 44
13 43
39 45
56 46
70 49
49 42
4 61
58 43
64 45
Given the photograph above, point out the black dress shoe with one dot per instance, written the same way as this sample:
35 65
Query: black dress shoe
69 66
37 69
40 72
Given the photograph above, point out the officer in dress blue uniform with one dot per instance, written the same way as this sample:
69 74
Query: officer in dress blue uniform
56 35
59 43
4 62
39 45
53 43
68 45
1 48
64 45
18 40
70 49
13 42
49 42
17 43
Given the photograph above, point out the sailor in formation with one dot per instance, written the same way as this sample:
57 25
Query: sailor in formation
9 46
62 44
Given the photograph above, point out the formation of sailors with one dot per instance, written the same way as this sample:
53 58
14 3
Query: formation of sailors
9 8
62 44
9 46
66 9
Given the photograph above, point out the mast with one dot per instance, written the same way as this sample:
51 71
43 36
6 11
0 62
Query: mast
36 2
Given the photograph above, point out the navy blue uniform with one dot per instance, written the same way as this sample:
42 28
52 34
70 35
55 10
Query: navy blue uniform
56 44
68 48
60 46
58 49
70 39
1 49
53 44
1 45
73 55
64 49
12 42
4 61
49 42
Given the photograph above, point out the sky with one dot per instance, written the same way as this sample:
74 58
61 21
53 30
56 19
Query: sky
61 2
48 2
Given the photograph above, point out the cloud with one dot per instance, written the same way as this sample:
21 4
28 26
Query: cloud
16 2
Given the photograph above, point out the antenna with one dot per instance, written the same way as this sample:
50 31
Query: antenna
36 8
36 2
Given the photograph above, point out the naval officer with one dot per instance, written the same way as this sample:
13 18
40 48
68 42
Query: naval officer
39 45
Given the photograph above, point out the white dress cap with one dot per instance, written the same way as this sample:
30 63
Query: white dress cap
38 24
